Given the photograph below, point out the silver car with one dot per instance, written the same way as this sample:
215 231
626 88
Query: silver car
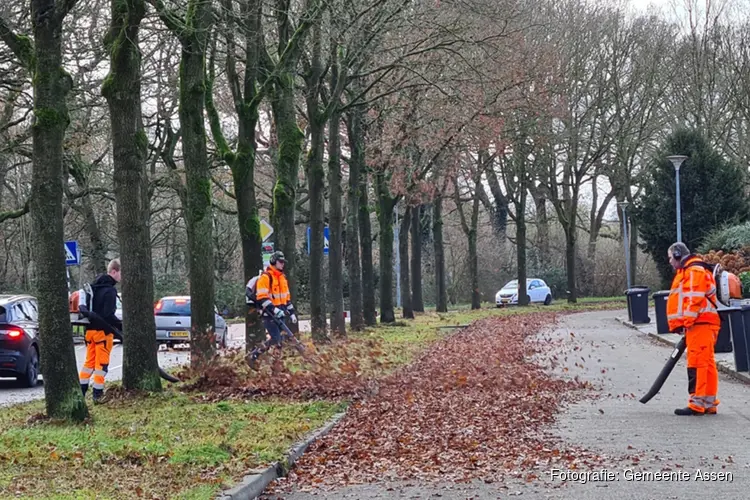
172 316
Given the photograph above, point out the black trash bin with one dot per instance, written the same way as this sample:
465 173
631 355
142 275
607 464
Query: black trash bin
741 339
660 306
724 342
638 305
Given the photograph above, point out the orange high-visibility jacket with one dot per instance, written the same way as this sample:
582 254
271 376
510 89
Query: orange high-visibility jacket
692 299
272 289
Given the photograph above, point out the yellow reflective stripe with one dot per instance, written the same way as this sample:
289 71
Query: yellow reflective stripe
262 290
690 314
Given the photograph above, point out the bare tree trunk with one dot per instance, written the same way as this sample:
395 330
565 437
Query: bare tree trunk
122 89
633 235
441 291
290 139
570 264
385 218
198 181
368 269
335 250
356 162
316 184
43 59
403 250
417 302
542 230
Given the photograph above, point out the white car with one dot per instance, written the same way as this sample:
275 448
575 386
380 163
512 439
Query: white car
536 289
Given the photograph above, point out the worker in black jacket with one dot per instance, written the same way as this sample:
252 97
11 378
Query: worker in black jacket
100 334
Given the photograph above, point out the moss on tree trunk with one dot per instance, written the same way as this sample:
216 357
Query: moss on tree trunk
62 393
290 139
199 216
122 89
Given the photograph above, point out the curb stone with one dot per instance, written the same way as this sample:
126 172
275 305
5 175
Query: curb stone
253 484
722 366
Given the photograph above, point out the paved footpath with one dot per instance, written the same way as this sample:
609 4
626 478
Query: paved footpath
651 436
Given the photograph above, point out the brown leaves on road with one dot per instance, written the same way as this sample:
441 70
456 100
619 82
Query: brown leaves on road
474 405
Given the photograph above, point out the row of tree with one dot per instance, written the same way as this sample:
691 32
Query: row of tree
320 112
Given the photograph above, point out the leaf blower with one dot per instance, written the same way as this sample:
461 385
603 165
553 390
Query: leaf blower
664 374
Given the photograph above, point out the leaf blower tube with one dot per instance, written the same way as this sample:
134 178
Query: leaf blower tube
97 322
668 367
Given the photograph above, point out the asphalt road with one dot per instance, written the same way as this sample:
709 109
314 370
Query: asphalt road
11 392
617 426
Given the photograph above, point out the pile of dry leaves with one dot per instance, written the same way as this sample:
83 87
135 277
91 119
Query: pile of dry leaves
343 369
473 406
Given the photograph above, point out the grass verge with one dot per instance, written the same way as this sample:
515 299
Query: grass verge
179 446
160 446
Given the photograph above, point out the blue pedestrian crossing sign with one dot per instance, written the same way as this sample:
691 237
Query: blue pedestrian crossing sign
326 243
72 253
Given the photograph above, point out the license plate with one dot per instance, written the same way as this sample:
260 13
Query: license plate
179 334
504 301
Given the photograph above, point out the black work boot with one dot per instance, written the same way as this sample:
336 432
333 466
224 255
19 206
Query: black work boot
687 412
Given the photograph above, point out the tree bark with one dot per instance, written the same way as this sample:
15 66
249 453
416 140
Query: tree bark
316 184
633 235
335 247
198 180
403 250
62 392
242 162
365 237
385 219
542 230
476 296
416 259
122 89
290 139
441 291
499 212
570 264
356 164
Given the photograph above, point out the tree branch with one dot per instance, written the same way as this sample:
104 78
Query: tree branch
21 46
14 214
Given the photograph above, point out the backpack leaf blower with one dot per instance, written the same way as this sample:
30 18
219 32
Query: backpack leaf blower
664 374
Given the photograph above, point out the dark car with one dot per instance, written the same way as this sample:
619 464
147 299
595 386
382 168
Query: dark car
19 338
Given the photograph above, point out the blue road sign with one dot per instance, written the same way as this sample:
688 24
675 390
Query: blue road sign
325 240
72 253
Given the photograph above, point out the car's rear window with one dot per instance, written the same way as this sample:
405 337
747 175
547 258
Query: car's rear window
173 307
3 315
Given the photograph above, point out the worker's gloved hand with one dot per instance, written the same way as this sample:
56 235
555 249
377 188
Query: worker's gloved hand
279 313
293 317
680 331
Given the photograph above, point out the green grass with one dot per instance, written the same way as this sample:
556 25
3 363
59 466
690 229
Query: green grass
166 445
172 446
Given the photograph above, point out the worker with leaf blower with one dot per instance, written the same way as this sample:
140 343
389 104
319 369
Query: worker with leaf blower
270 291
692 311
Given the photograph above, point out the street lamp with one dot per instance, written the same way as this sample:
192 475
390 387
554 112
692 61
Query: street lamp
626 243
677 161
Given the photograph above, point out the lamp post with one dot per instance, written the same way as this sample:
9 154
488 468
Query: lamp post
677 161
626 242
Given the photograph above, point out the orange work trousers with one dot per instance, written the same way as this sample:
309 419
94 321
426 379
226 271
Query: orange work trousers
98 347
703 378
